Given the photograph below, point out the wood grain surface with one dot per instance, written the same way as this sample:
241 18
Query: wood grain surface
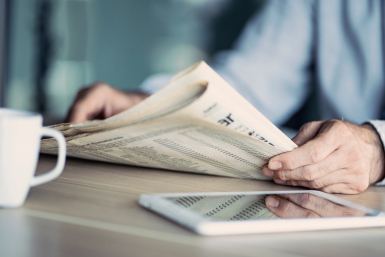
92 210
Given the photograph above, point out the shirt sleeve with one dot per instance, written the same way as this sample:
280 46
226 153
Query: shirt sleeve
269 64
379 125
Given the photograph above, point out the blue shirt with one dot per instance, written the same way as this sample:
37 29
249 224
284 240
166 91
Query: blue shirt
270 65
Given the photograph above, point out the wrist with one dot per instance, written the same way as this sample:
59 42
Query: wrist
377 155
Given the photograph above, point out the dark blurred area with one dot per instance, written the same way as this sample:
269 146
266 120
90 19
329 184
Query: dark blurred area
4 10
56 47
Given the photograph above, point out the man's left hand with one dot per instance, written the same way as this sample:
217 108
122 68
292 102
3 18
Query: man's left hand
333 156
294 206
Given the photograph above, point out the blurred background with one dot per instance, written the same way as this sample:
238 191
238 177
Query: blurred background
52 48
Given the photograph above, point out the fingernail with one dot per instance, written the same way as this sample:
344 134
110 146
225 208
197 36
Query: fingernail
268 172
278 181
271 201
275 165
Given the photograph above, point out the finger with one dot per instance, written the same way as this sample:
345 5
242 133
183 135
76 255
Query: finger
90 106
311 202
343 188
321 206
350 181
89 103
68 118
307 132
339 159
337 177
83 111
327 140
80 95
287 209
75 114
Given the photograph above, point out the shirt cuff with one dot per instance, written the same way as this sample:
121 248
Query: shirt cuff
379 125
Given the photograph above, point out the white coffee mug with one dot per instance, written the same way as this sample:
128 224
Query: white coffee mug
20 135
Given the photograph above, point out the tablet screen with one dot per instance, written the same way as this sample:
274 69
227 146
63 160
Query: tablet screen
256 207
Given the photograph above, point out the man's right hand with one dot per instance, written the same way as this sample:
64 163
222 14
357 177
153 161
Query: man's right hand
101 101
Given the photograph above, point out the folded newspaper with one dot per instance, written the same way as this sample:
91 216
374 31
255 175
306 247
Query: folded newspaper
196 123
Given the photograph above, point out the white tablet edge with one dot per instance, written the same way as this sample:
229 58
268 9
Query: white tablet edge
159 204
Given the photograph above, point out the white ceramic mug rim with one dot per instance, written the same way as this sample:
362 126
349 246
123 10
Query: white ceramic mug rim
9 113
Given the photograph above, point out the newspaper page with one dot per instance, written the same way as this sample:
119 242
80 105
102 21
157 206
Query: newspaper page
209 132
220 92
184 144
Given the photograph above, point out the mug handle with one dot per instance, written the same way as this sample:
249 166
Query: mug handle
43 178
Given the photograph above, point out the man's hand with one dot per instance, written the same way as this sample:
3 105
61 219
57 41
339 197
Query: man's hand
333 156
307 206
100 101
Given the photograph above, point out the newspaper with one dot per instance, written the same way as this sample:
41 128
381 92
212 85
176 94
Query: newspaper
196 123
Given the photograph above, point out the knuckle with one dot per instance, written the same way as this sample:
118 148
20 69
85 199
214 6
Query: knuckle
317 184
345 135
281 174
306 201
310 214
100 87
292 183
354 155
308 172
287 160
337 123
287 211
361 187
94 87
313 124
98 84
314 154
307 126
342 129
328 190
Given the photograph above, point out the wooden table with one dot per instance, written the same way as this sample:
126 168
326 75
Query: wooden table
92 210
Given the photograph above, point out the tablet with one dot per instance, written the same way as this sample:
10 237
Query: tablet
261 212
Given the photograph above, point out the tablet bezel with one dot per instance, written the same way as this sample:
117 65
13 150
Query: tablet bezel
158 203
